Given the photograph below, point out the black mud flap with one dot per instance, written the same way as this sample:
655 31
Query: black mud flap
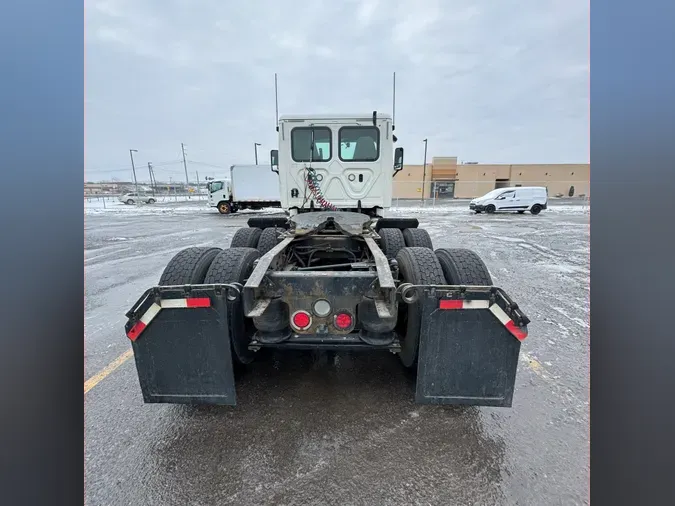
181 345
469 347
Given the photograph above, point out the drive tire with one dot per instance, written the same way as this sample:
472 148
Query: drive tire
235 265
419 266
490 209
417 238
268 239
224 208
536 209
246 238
391 241
129 202
151 201
188 267
463 267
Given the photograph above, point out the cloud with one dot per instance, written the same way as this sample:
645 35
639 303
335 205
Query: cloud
482 80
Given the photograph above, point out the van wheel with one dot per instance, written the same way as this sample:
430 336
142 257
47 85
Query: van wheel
490 209
536 209
224 208
418 266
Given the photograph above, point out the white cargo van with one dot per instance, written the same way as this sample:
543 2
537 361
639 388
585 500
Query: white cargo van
517 198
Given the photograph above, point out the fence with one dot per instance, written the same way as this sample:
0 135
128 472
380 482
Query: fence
106 200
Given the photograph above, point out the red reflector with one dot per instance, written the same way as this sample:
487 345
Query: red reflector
198 302
451 304
136 330
301 320
518 332
343 320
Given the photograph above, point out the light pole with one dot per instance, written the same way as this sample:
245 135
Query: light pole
133 168
424 170
255 147
152 184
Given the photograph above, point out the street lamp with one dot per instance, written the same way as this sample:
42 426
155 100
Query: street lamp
133 168
424 170
255 147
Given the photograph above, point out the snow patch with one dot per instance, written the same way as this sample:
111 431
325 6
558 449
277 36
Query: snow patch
574 319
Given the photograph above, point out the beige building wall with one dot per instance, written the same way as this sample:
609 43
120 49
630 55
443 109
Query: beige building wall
444 168
408 182
557 178
474 180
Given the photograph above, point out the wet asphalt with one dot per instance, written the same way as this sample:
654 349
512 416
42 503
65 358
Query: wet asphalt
326 428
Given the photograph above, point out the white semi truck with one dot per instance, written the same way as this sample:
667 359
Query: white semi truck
333 274
249 187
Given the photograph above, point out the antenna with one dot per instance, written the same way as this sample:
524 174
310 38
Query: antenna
393 115
276 100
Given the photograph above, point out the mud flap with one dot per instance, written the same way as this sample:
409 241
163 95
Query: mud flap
181 346
469 348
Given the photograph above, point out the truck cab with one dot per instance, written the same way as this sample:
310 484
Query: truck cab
219 194
336 161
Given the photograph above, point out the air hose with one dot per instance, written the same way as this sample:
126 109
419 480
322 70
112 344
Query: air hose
315 188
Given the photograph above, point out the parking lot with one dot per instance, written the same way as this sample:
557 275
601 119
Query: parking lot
318 428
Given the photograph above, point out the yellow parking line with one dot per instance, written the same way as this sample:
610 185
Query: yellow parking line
535 365
100 376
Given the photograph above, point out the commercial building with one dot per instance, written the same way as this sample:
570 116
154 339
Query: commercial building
443 177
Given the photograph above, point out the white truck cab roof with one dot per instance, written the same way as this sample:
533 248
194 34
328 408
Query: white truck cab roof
331 116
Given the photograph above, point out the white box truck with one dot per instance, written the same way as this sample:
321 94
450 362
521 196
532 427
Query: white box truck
249 187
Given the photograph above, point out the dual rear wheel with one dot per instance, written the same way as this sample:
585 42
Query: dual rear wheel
423 266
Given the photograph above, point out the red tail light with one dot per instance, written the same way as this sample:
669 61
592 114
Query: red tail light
343 321
301 320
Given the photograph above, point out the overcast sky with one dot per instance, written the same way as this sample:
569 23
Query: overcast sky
493 81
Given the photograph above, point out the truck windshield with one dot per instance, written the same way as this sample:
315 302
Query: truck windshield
301 140
359 144
214 186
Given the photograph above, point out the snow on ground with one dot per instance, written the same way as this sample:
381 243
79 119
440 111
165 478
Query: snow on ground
185 205
163 206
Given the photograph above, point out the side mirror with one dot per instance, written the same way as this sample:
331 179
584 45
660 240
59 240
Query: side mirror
398 160
274 160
